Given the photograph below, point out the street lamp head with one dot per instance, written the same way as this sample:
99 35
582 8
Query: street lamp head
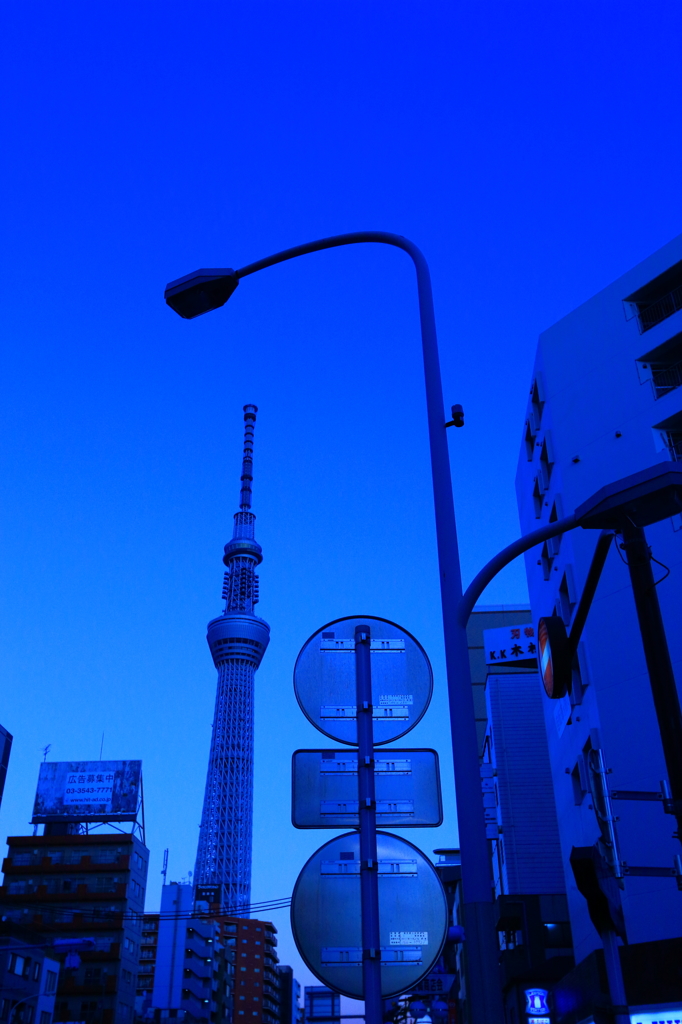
200 292
643 498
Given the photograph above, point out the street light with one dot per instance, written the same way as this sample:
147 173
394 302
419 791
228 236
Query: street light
206 290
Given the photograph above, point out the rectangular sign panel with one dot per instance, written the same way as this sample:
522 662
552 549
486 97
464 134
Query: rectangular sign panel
88 791
509 644
325 788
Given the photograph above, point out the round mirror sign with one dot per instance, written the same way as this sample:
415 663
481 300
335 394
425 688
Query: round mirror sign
326 915
324 679
555 657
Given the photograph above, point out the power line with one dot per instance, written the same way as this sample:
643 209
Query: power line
92 914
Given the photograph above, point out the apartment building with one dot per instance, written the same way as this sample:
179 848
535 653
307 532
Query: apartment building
182 971
605 401
71 885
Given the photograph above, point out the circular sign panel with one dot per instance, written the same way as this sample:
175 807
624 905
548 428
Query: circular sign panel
324 679
555 657
326 915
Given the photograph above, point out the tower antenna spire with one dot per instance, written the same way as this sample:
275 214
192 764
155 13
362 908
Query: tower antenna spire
250 412
238 639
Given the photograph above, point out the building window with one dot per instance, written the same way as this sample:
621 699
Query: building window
36 971
566 598
18 965
558 935
51 982
529 441
537 497
45 1017
546 461
554 543
23 859
546 561
672 439
579 779
537 403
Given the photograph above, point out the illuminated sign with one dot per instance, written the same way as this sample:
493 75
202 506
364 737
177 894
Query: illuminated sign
88 791
555 657
508 644
659 1015
536 1003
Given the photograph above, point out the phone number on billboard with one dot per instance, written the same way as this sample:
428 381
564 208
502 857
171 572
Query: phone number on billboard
83 790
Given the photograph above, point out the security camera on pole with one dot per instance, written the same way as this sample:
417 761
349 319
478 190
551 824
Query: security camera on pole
369 914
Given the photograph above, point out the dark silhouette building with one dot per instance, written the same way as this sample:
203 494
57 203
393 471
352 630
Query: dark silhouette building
71 885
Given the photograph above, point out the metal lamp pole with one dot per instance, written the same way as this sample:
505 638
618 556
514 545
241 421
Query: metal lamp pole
205 290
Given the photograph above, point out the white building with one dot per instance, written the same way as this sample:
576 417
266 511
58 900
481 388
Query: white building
606 401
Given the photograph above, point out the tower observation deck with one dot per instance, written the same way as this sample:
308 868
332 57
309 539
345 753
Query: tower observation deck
237 639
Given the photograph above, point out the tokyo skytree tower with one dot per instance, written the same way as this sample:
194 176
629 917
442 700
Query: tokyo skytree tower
238 639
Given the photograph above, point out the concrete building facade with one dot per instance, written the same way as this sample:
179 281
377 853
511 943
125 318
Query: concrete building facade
29 975
182 973
605 401
256 976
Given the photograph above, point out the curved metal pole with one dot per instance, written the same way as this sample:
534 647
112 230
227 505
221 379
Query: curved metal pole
483 989
504 557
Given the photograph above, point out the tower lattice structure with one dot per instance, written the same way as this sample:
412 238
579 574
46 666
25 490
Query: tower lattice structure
238 639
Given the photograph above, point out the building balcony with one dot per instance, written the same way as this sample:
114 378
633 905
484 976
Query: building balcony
657 300
662 367
68 987
39 893
26 864
44 922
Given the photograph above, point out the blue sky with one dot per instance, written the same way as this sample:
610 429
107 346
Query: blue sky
532 150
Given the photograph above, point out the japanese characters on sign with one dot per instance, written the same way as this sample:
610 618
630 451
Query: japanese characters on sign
88 790
509 644
435 984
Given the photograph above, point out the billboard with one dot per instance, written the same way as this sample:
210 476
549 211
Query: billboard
88 791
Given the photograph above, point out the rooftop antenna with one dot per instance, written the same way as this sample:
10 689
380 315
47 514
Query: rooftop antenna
164 869
101 747
46 751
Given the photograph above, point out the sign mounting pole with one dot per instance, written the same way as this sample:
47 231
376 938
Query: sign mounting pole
369 868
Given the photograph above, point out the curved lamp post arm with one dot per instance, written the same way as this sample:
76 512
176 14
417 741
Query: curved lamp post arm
350 238
504 557
446 530
483 991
